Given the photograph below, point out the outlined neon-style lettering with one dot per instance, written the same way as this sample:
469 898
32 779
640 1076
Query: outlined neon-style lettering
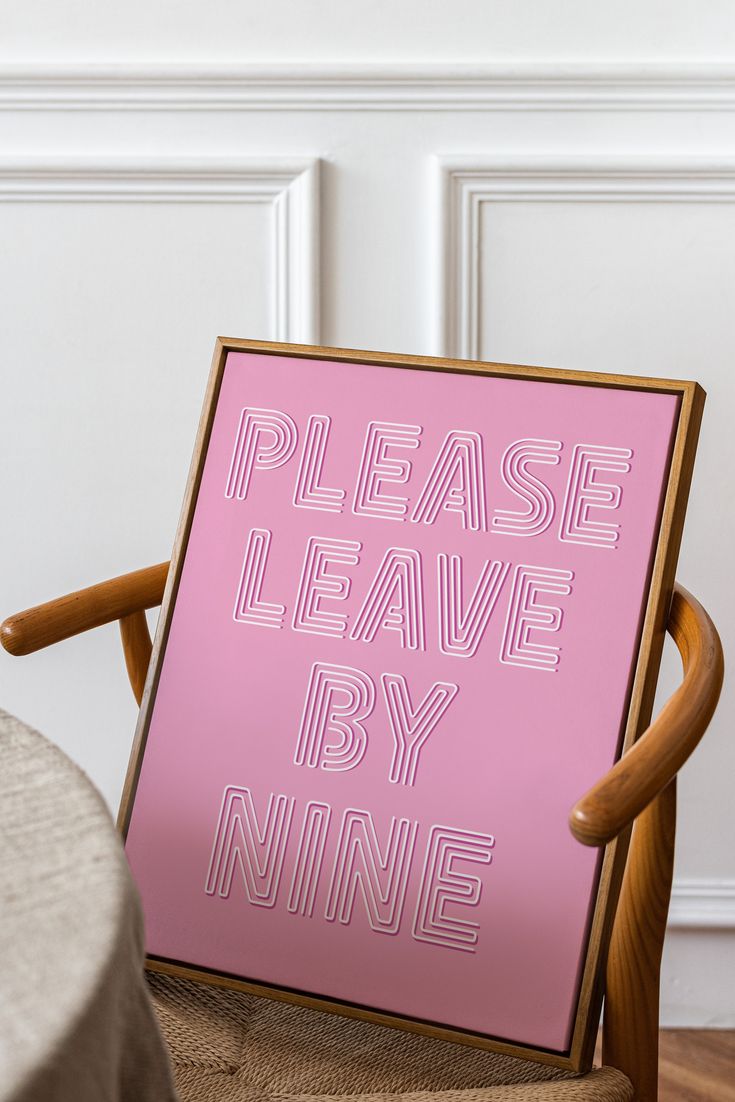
536 494
308 493
378 466
308 867
441 884
266 439
382 879
456 483
317 584
411 728
461 630
584 493
395 600
249 606
259 853
526 614
325 715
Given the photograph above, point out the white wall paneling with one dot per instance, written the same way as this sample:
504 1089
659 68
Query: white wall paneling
287 189
579 232
700 904
699 954
117 273
469 187
373 87
517 206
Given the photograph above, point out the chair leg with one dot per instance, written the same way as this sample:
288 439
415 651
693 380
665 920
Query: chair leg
630 1024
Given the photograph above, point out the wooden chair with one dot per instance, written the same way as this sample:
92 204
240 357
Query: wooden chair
640 789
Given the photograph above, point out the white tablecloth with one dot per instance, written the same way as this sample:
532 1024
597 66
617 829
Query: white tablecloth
75 1019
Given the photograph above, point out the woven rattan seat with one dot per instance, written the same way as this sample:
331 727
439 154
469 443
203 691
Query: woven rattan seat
231 1047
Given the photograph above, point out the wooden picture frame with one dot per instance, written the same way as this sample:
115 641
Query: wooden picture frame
690 400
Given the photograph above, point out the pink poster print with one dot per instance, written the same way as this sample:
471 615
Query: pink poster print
401 649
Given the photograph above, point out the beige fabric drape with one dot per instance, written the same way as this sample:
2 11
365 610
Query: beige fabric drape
76 1022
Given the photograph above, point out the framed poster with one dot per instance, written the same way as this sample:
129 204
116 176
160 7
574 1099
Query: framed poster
415 611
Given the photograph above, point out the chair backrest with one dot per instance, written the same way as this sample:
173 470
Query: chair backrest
632 981
645 779
639 790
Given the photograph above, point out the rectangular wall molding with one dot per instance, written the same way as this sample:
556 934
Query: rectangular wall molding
288 188
702 905
375 87
466 184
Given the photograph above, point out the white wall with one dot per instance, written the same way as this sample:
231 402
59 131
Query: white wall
297 169
354 30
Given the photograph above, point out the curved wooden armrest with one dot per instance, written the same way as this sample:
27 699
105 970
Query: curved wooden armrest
611 805
87 608
658 755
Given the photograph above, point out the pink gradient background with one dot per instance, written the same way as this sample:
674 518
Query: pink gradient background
515 750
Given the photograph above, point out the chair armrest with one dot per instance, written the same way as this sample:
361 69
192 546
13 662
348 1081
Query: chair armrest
87 608
658 755
610 806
